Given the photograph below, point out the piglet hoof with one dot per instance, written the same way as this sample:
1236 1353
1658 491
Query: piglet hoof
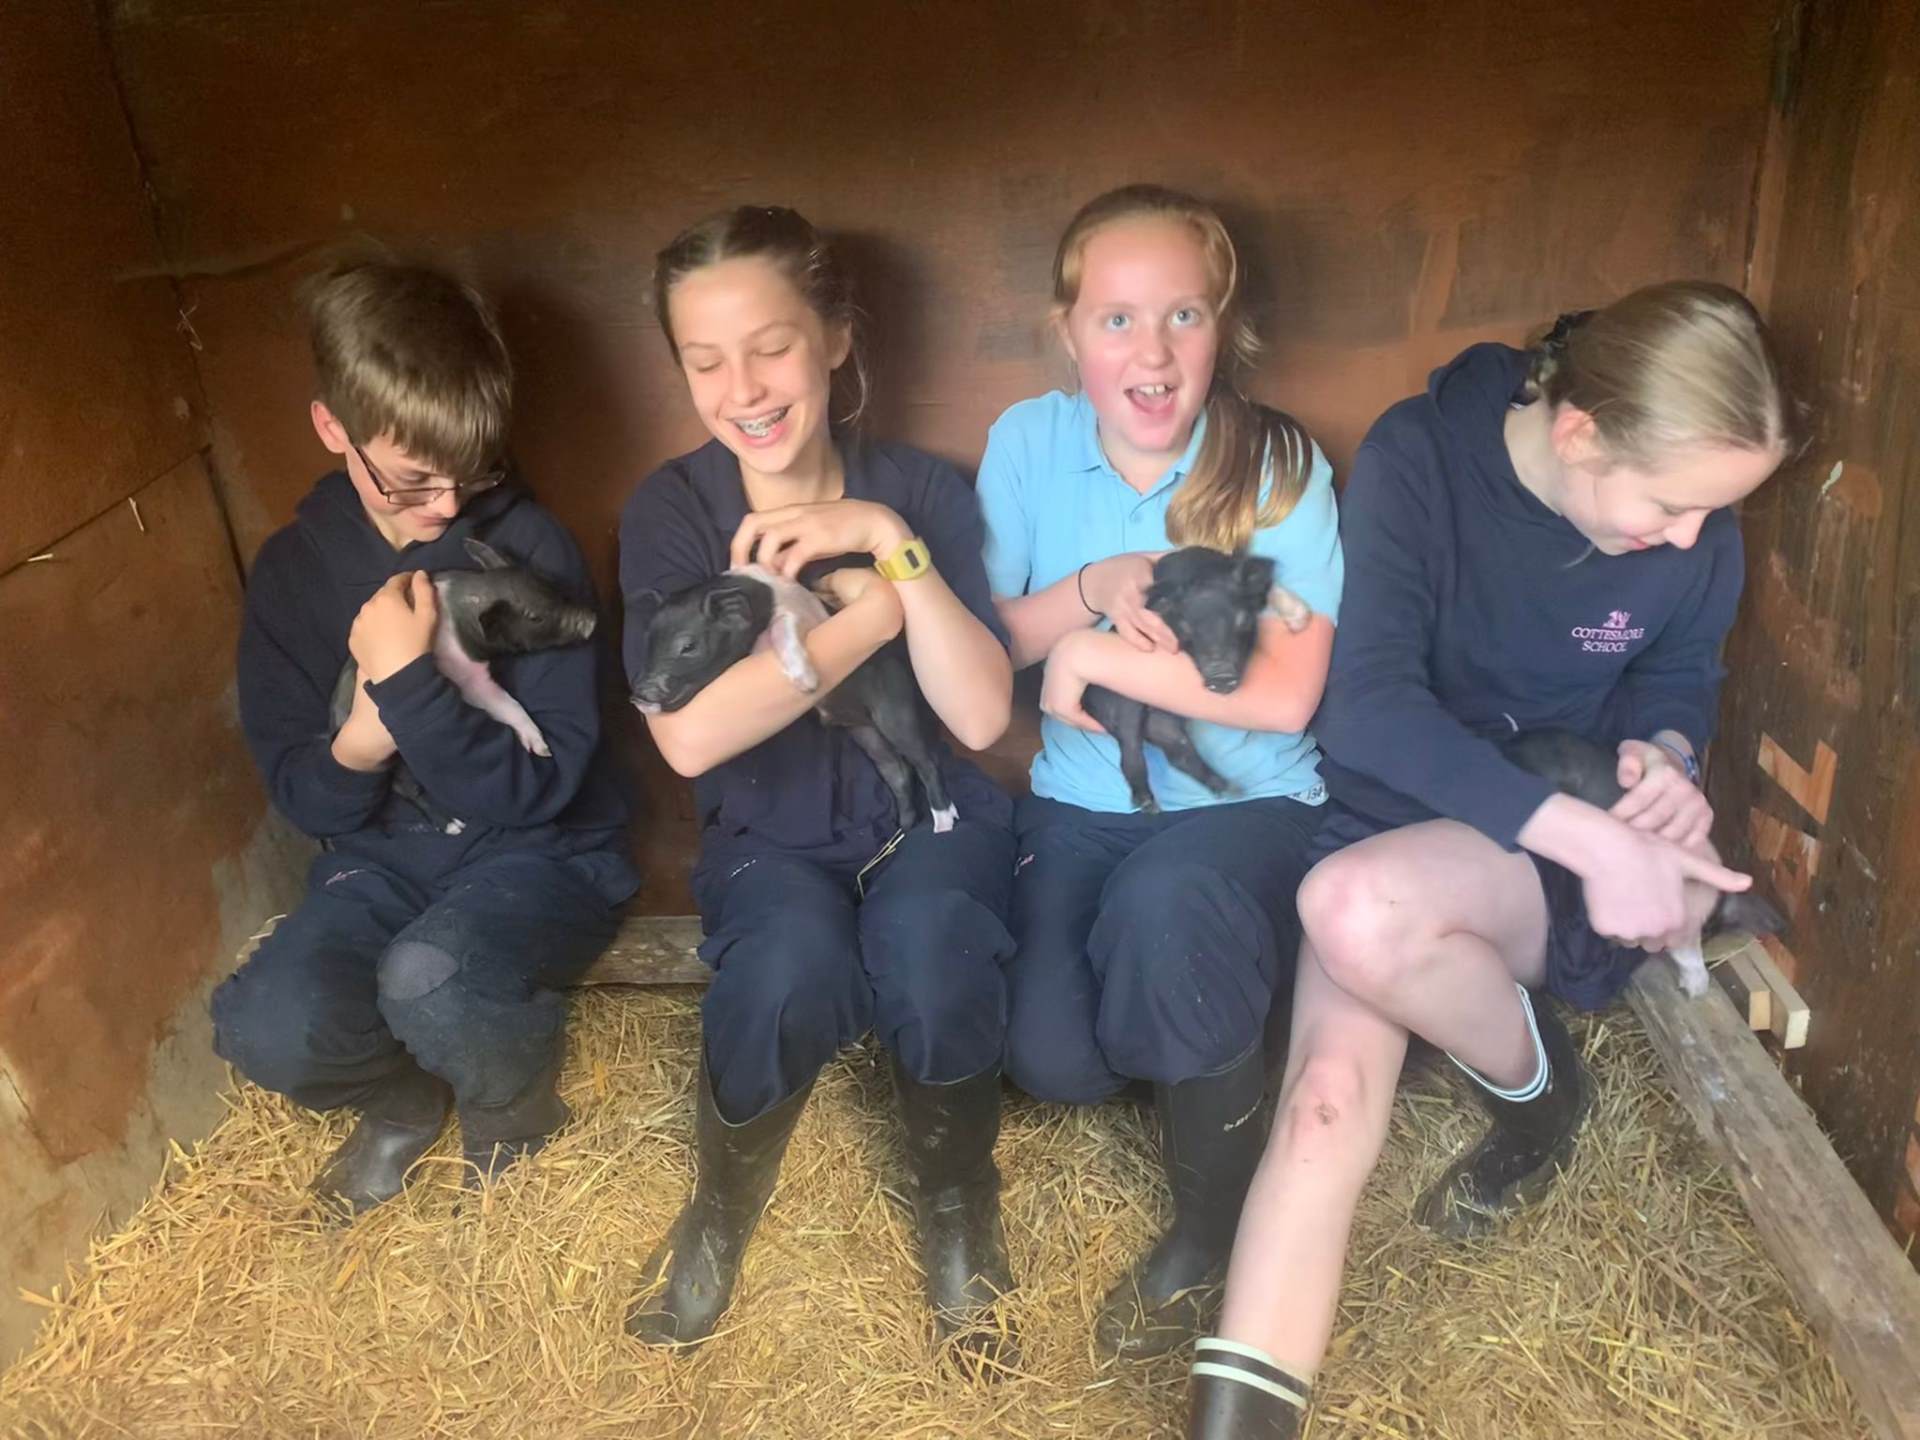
943 819
1692 965
455 827
1294 612
1146 805
535 743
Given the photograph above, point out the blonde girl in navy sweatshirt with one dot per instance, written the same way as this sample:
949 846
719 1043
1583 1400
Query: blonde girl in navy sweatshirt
1542 539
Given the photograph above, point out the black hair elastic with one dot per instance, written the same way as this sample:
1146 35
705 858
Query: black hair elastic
1545 358
1563 328
1080 584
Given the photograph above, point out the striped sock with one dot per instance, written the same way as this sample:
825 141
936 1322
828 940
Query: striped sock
1535 1087
1230 1360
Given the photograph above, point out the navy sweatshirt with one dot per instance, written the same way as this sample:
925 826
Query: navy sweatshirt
1468 610
808 789
308 583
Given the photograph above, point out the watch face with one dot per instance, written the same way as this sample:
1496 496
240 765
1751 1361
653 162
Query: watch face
908 562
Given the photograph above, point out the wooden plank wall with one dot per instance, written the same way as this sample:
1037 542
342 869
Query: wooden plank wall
1819 757
1409 178
135 850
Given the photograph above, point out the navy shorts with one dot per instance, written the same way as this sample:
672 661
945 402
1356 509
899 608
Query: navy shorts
1585 969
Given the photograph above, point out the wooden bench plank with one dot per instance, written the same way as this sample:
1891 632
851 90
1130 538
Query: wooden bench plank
651 950
1861 1295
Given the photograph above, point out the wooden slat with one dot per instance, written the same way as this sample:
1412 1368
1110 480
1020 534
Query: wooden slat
1859 1292
652 950
1747 990
1788 1017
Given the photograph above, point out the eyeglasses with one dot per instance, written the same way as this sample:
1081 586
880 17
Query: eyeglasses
463 490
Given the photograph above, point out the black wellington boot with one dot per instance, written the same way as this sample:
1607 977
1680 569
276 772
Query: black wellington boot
1211 1136
398 1125
493 1137
1238 1393
688 1280
1530 1143
950 1130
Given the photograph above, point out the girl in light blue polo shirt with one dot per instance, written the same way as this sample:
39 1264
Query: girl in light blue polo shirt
1150 946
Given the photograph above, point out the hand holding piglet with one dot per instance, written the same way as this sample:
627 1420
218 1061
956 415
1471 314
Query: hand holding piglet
1637 892
363 742
1660 799
1117 588
1063 685
787 537
395 627
852 585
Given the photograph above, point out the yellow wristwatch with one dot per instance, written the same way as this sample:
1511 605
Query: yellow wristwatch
909 562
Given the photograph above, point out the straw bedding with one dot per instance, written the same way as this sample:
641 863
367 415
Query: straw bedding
1634 1303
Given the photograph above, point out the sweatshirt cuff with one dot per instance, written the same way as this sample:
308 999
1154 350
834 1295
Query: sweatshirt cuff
409 689
1502 815
345 783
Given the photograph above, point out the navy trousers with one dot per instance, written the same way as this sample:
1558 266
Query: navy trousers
1149 946
809 954
377 972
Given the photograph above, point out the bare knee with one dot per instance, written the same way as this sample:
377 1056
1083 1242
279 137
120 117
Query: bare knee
1363 935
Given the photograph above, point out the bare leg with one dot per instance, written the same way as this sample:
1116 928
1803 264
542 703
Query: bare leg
1342 1065
1431 925
1424 928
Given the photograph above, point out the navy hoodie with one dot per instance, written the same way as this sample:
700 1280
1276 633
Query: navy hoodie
1469 610
308 583
808 789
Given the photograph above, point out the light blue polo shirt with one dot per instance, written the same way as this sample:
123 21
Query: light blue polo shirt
1052 503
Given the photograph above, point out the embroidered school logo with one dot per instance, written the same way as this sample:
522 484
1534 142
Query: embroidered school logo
1611 638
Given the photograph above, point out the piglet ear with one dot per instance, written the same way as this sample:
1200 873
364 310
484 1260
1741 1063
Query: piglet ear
1254 574
727 602
489 558
1190 562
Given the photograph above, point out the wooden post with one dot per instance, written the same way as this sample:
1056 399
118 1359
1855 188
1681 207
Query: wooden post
1854 1286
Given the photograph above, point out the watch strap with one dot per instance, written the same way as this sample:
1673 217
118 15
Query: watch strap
1688 762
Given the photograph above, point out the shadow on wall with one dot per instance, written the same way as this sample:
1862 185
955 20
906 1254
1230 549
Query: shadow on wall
891 285
574 404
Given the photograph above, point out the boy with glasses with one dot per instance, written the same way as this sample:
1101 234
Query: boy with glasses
423 970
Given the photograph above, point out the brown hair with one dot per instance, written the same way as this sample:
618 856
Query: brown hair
1219 504
787 239
1672 367
406 352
